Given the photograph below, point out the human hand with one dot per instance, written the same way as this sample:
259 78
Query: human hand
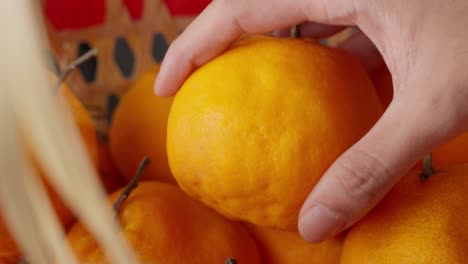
423 42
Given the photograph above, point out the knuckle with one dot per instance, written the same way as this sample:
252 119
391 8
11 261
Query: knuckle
361 175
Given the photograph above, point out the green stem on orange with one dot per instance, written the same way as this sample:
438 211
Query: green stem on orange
428 168
131 185
231 261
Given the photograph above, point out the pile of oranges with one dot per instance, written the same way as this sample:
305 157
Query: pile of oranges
235 153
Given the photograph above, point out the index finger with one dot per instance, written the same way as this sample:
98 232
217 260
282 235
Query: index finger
222 23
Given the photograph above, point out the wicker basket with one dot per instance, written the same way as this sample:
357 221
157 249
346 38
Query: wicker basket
131 36
130 39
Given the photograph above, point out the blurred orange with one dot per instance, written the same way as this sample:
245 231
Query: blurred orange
280 247
8 250
139 129
163 225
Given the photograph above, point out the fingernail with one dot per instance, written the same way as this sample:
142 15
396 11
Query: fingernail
320 223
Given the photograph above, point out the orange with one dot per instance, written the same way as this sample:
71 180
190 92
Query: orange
9 253
98 149
85 126
417 222
384 85
8 250
139 129
83 121
251 132
453 152
108 172
165 226
279 247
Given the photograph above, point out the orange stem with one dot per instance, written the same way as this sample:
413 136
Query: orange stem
131 185
428 168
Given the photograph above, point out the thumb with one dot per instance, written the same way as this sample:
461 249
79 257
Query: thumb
362 176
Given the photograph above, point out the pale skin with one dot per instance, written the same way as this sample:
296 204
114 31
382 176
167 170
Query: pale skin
423 43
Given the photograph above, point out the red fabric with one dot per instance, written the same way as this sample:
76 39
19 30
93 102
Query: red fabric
135 8
75 14
186 7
